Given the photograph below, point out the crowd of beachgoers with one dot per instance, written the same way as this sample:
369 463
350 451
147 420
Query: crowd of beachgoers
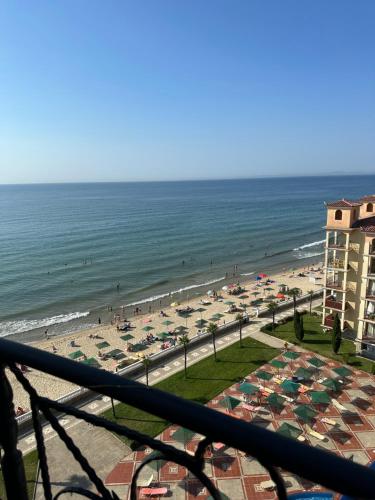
128 339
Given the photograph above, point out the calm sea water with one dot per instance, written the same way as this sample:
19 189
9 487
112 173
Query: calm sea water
65 248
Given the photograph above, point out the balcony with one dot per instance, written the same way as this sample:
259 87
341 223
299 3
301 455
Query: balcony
369 317
329 320
334 304
338 264
334 285
331 471
336 246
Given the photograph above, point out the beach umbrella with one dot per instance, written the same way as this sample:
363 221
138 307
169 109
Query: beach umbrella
167 322
248 388
229 303
262 275
332 384
319 397
318 363
229 402
175 304
342 371
200 310
303 373
276 363
289 386
225 288
263 375
268 288
200 323
243 297
305 412
258 278
180 329
147 328
280 296
183 435
275 401
163 335
289 431
291 355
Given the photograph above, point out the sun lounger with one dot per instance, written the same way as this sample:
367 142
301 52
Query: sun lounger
153 491
250 407
303 388
314 434
338 405
301 438
218 446
143 483
266 390
287 398
267 485
328 421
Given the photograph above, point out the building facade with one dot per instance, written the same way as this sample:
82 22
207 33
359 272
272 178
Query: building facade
349 287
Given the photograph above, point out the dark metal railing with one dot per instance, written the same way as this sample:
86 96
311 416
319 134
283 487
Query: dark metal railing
270 449
334 304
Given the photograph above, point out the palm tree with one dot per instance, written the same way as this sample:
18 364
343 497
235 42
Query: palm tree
294 292
146 361
310 292
184 340
272 307
239 318
212 328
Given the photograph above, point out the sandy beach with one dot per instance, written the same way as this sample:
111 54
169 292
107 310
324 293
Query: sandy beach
93 345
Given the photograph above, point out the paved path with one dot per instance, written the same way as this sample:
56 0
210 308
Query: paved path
96 442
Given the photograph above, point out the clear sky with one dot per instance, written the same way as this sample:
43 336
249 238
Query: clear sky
171 89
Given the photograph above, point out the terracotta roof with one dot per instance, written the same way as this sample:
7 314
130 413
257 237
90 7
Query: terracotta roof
366 225
369 197
343 203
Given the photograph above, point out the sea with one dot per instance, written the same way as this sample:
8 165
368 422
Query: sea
73 253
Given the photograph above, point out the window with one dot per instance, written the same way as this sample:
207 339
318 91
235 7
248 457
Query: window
338 215
369 207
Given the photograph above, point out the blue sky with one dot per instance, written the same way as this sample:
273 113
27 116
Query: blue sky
167 89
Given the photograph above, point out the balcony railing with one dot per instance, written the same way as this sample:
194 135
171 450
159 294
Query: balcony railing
334 304
336 263
370 316
334 285
337 246
269 448
329 320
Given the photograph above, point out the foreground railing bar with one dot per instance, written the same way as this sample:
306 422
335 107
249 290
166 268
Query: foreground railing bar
316 465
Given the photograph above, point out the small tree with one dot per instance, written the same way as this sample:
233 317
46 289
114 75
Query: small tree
336 334
297 326
184 341
146 361
294 292
212 328
272 307
296 320
301 329
311 293
239 318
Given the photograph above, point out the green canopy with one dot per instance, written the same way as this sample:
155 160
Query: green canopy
200 309
342 371
139 347
303 373
115 354
180 329
248 388
200 323
229 402
289 431
278 364
147 328
263 375
229 302
163 335
218 315
102 345
289 386
318 363
243 297
127 337
305 412
332 384
291 355
275 400
156 464
214 318
91 362
183 435
76 355
319 397
167 322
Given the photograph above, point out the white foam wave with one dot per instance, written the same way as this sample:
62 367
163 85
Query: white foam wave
306 255
247 274
308 245
24 325
180 290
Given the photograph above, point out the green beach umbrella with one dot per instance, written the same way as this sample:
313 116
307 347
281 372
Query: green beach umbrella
275 400
332 384
167 322
263 375
318 363
276 363
102 345
214 318
291 355
248 388
183 435
243 297
289 431
200 323
303 373
319 397
163 335
342 371
305 412
147 328
200 309
180 329
229 402
127 337
229 303
91 362
289 386
218 315
76 355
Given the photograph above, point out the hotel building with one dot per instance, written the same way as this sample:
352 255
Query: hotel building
349 287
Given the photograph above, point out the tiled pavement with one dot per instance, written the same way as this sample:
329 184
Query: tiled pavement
238 476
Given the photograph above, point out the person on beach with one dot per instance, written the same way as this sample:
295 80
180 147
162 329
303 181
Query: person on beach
46 333
99 321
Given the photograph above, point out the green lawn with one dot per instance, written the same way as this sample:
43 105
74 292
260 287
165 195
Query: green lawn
318 341
30 462
206 379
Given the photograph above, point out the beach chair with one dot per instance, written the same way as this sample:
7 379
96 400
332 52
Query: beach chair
303 388
218 446
250 407
315 434
329 421
301 438
152 492
338 405
267 485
